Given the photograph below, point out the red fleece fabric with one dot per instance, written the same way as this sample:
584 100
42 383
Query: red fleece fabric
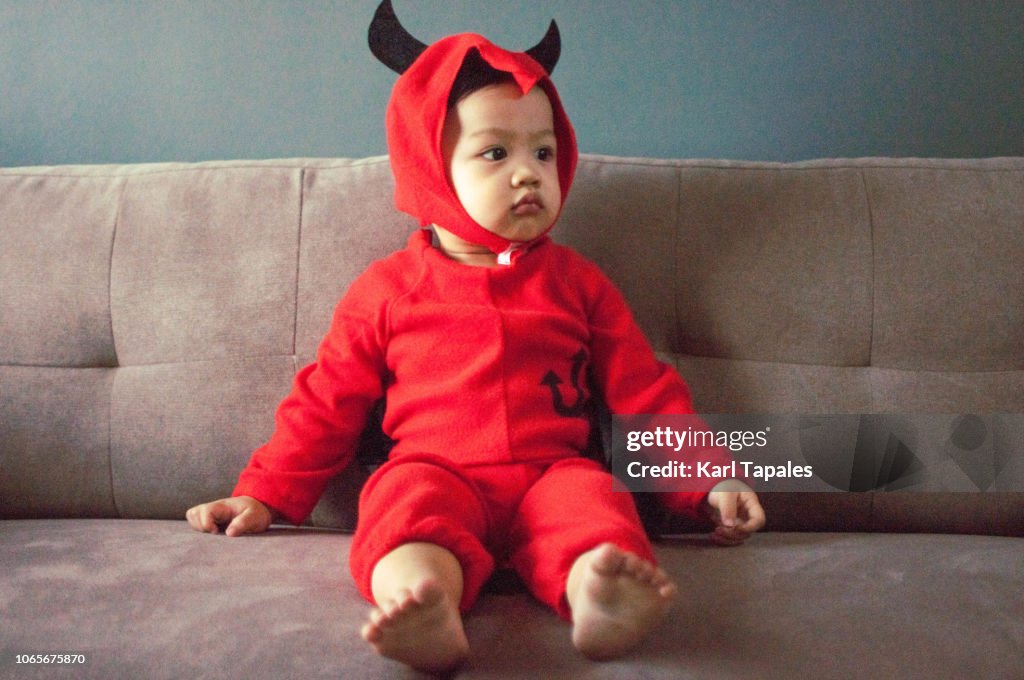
535 518
465 357
470 350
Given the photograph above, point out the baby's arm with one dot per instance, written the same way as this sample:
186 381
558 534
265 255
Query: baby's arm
737 513
239 515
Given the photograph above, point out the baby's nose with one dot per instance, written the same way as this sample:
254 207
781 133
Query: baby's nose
525 175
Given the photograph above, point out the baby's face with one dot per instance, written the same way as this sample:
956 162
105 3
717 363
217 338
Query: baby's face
499 147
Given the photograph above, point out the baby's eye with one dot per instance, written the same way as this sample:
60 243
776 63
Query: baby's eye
495 154
545 153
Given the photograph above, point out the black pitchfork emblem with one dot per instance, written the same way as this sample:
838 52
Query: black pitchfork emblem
579 407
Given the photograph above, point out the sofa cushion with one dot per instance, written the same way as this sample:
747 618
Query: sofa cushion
57 234
948 244
203 264
55 442
151 599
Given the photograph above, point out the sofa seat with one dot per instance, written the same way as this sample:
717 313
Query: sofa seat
135 596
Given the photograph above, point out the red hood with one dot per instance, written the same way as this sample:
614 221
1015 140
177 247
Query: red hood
415 120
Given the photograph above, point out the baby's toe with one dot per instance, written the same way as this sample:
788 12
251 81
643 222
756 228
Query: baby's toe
608 560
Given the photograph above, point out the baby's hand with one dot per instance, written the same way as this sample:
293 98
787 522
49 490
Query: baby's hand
240 514
736 512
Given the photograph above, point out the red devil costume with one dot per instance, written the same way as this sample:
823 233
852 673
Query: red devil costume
486 372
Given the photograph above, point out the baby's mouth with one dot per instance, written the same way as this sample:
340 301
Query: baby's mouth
527 205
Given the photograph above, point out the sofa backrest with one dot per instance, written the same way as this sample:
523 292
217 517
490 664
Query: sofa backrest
152 316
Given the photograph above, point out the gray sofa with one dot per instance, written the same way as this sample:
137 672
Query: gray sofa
152 316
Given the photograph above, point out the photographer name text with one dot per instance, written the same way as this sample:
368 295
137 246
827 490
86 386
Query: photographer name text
738 468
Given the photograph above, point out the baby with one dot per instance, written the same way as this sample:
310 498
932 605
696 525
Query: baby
465 332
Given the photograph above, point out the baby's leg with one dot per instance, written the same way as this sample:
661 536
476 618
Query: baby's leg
417 588
418 555
616 599
613 594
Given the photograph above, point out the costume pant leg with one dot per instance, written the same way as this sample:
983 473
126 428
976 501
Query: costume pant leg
571 509
421 499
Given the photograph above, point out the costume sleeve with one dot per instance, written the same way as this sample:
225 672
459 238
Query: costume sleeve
634 382
317 426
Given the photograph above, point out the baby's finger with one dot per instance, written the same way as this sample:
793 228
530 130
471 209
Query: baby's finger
728 537
727 509
222 515
253 519
197 518
241 524
192 515
753 517
215 515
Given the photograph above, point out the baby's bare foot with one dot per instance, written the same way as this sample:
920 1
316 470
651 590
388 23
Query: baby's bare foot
421 627
619 598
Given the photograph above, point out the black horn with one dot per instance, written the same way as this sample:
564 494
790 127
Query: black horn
547 51
390 42
397 49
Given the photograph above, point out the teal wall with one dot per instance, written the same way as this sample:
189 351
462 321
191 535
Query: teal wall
102 81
